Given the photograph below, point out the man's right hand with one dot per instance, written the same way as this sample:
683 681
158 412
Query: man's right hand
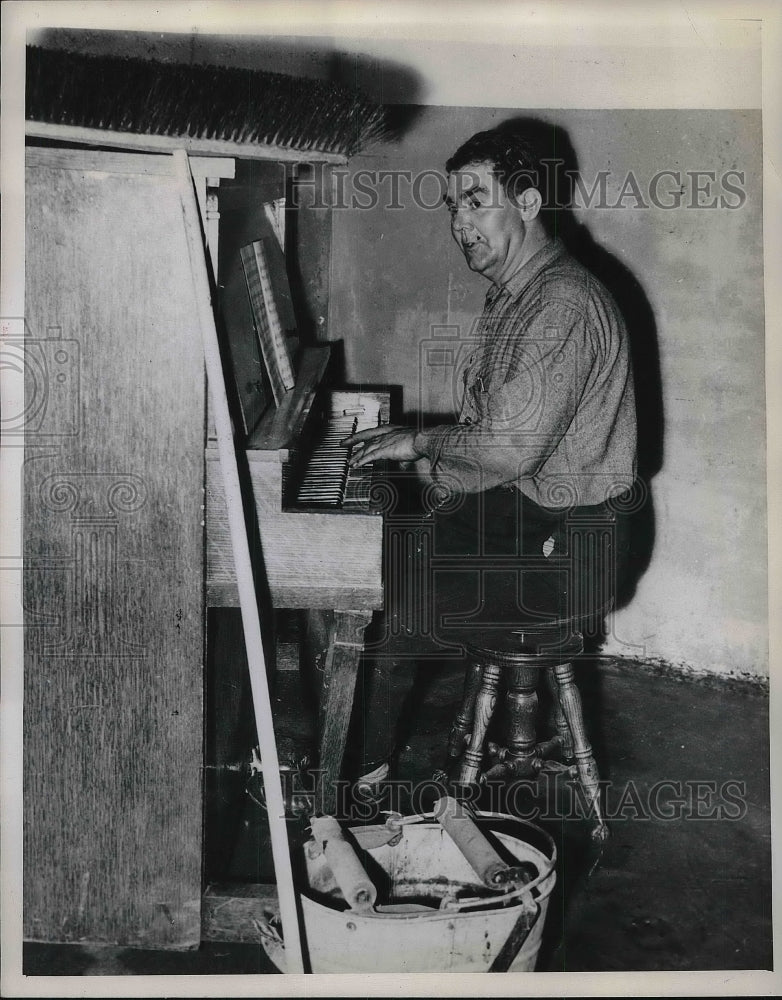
390 441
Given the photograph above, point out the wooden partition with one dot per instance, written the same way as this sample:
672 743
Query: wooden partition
113 545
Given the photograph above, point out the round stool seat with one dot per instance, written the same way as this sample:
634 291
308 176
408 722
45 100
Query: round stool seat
541 646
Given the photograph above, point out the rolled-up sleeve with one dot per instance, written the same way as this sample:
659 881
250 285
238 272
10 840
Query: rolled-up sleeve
525 411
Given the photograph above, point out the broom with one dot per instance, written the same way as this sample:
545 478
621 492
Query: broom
203 108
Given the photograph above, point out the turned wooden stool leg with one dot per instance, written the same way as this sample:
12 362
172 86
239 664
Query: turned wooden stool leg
570 699
522 708
462 724
560 722
485 702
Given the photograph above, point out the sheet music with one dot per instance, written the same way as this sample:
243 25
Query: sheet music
267 321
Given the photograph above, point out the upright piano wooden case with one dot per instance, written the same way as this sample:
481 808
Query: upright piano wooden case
114 584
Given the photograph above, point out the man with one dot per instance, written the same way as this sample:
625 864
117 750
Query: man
544 446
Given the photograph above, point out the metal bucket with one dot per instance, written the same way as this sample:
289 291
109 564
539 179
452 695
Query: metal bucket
432 914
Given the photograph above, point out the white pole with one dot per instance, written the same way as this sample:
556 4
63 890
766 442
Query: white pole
244 572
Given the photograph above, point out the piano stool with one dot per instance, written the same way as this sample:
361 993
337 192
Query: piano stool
516 658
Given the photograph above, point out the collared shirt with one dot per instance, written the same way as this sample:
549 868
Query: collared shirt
548 403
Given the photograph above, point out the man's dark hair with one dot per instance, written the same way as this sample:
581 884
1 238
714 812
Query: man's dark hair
516 159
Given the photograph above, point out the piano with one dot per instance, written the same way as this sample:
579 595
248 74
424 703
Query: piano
320 528
313 510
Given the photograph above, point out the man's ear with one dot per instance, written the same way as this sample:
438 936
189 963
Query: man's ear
529 203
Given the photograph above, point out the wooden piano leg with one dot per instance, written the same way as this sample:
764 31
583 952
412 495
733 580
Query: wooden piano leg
339 683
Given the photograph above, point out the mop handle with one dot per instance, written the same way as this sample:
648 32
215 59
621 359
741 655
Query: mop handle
356 886
456 820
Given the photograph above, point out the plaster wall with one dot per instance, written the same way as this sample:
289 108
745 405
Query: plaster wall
690 281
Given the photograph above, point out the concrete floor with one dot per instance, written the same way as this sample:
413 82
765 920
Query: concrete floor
683 883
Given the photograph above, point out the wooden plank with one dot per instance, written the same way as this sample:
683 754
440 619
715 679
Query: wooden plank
234 911
336 704
123 163
249 597
113 581
167 144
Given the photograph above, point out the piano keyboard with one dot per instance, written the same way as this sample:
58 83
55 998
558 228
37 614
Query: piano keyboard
328 480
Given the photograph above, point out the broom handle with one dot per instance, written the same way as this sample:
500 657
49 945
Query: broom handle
244 573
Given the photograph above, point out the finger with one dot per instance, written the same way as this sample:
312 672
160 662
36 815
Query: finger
359 454
367 435
355 439
365 454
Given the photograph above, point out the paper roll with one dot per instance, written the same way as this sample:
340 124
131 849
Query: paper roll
354 883
455 819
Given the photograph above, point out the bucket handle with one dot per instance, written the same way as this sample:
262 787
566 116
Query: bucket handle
518 935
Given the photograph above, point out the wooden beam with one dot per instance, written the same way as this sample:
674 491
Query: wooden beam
167 144
109 161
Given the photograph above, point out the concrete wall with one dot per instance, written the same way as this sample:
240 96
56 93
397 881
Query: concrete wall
690 281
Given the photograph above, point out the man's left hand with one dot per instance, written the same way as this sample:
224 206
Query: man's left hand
389 441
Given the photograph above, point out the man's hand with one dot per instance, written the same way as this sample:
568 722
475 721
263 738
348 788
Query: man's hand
389 441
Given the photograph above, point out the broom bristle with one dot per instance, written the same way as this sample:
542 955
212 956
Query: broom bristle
253 107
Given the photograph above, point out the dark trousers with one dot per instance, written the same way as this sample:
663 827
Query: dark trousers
481 562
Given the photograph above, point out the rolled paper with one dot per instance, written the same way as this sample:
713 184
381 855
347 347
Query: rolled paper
354 883
455 819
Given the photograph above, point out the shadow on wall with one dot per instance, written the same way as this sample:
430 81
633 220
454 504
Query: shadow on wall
554 143
309 267
393 85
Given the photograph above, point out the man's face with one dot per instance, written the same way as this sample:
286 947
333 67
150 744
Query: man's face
485 223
